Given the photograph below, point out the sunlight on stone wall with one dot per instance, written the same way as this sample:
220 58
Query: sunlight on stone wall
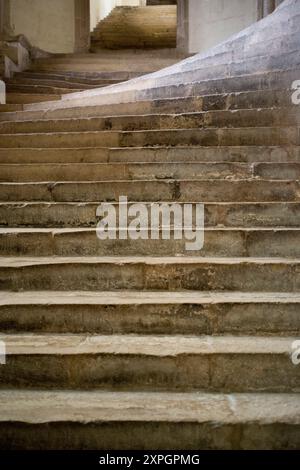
101 8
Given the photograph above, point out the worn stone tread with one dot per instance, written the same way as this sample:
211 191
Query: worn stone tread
152 154
37 407
18 262
60 231
144 298
148 345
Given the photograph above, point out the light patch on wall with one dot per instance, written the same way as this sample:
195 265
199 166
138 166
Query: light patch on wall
214 21
48 25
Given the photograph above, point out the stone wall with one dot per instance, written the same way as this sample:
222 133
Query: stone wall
213 21
49 25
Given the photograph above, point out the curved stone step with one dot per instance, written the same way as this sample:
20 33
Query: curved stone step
133 90
233 101
101 59
269 80
268 117
255 136
25 98
83 77
267 45
93 63
10 109
248 46
38 89
53 83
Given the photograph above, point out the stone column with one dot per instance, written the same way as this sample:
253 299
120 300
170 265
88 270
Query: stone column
183 25
1 17
82 25
269 7
266 7
5 27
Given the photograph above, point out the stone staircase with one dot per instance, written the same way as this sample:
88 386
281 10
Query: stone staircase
50 78
137 27
109 337
139 344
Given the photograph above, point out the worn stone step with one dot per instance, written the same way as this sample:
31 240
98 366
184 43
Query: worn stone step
52 83
133 41
265 81
144 14
257 136
150 34
182 154
67 214
38 89
31 172
146 420
161 313
88 60
125 53
232 101
59 214
155 86
209 190
110 35
97 47
173 363
135 65
128 171
92 78
233 118
150 273
25 98
113 39
10 108
235 242
205 82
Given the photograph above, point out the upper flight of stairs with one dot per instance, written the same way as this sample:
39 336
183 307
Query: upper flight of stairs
137 27
267 45
140 344
52 77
